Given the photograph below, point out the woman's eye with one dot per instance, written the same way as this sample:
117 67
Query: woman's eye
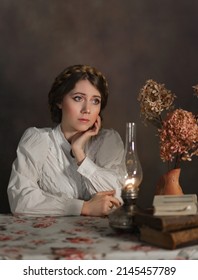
96 101
77 98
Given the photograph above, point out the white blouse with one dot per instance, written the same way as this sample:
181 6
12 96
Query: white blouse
46 180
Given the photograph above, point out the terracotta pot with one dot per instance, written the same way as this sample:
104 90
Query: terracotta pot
169 183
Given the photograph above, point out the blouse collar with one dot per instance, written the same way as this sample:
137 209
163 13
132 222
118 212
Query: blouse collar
63 142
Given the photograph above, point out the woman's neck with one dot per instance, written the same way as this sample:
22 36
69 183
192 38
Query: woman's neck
67 134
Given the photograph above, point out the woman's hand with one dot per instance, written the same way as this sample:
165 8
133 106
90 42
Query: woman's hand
100 204
79 140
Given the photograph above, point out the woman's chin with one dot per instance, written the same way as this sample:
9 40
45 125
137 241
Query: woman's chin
83 127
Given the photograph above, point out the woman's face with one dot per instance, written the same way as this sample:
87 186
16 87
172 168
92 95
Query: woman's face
80 108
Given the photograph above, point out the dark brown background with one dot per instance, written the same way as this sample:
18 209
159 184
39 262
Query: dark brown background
130 41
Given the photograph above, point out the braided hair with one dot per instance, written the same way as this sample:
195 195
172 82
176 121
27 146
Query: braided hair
67 80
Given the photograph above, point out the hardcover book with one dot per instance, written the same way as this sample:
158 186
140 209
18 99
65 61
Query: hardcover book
166 223
166 205
174 199
175 209
169 240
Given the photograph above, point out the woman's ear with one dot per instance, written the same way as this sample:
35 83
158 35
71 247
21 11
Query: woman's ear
59 105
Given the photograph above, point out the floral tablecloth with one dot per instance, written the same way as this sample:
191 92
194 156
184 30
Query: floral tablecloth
76 238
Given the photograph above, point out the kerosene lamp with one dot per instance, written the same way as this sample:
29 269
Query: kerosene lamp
123 217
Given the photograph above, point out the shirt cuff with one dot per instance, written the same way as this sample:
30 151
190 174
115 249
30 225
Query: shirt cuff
73 207
87 168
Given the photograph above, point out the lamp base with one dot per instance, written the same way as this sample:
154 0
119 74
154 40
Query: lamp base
123 217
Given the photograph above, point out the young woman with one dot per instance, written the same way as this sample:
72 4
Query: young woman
76 167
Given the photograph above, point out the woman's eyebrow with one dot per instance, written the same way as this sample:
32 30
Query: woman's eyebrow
84 94
98 96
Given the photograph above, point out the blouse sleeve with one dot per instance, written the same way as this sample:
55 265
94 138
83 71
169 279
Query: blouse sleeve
24 193
106 172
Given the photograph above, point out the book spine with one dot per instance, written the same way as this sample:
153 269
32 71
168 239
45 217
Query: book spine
185 237
169 240
156 238
167 223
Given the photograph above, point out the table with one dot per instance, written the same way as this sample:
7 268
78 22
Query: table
77 237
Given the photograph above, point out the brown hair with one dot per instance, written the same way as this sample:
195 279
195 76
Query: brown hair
67 80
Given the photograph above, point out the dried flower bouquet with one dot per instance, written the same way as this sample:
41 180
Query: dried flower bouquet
177 128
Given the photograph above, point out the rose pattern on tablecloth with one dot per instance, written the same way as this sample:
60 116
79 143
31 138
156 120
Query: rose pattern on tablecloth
76 237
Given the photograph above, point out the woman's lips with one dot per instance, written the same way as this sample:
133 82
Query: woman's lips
84 120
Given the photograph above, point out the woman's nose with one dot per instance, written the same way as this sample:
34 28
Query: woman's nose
86 109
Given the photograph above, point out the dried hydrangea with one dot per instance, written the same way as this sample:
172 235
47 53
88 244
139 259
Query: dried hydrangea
178 133
179 136
154 98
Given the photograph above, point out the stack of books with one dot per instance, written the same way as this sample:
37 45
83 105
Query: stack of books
171 227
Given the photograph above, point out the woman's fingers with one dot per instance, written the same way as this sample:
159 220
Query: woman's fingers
100 204
109 198
98 124
115 202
